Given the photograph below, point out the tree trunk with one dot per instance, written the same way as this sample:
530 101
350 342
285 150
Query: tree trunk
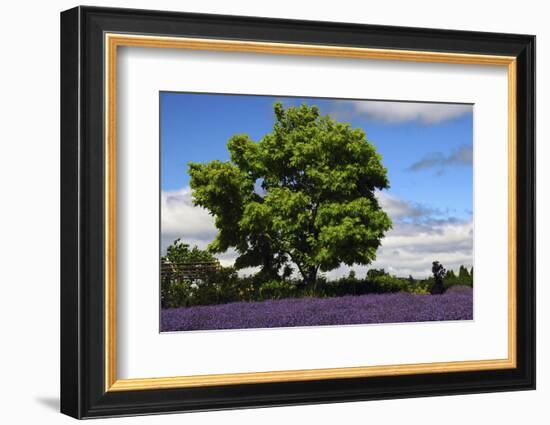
310 277
437 288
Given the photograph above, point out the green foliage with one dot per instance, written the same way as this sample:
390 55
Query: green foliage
463 273
225 286
218 287
175 291
303 194
374 273
450 275
465 277
278 289
179 252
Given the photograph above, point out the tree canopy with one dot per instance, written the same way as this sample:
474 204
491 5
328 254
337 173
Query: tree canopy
303 195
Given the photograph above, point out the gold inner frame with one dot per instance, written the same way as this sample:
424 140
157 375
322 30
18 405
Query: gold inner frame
113 41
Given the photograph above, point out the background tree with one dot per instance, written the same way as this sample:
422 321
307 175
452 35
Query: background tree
305 193
464 275
374 273
450 275
179 252
439 273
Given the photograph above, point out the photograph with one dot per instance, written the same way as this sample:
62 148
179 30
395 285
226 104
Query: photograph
280 211
287 210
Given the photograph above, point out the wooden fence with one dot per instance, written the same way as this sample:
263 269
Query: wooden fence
188 271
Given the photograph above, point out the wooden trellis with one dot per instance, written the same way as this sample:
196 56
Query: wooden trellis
188 271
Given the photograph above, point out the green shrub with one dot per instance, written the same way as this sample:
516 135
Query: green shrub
387 283
277 289
176 293
224 286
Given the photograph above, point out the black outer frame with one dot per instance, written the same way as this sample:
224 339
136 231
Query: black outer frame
82 212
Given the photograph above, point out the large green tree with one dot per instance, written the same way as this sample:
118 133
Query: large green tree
303 195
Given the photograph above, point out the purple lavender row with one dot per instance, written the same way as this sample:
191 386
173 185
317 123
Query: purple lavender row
456 304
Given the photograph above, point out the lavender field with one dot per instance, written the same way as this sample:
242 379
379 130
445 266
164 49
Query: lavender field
455 304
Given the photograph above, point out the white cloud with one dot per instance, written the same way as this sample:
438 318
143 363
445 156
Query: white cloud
411 252
398 112
410 249
181 219
192 224
463 155
398 209
418 237
421 235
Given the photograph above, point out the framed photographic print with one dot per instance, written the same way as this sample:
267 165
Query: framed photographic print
261 212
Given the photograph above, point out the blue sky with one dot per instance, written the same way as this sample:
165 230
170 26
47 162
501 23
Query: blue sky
426 147
196 127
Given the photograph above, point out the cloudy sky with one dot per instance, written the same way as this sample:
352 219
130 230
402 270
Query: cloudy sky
426 147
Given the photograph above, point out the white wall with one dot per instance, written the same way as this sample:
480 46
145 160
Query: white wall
29 217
